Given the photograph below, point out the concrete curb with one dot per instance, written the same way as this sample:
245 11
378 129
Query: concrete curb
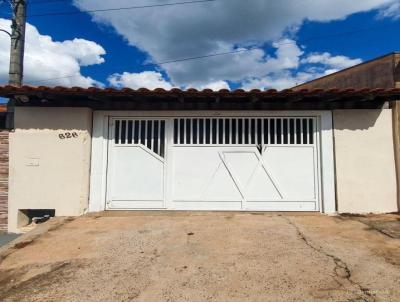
33 235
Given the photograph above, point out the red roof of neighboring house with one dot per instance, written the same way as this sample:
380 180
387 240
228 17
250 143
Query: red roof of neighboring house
3 107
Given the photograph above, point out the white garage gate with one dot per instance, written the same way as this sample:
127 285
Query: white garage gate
265 163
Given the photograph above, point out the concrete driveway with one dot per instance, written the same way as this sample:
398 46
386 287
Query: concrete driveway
204 257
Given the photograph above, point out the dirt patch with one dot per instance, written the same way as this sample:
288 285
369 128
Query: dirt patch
389 228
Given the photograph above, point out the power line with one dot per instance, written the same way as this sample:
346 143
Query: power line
53 1
47 2
5 31
257 47
59 78
117 8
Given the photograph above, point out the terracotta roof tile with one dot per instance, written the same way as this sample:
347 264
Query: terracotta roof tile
9 91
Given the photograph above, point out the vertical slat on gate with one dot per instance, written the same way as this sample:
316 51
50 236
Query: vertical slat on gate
307 131
146 128
249 131
301 131
125 132
313 129
295 131
204 131
217 129
133 132
189 131
184 131
162 138
223 130
159 137
227 131
275 132
198 131
139 132
262 132
281 123
237 131
230 136
115 132
211 131
120 132
151 129
179 131
243 131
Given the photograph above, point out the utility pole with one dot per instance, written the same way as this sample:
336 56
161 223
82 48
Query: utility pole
17 42
17 35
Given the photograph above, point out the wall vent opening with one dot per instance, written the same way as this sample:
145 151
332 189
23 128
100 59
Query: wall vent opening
28 216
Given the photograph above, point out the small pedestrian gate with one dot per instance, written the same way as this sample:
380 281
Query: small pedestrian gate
214 163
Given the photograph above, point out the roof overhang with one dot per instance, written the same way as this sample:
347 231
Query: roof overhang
192 99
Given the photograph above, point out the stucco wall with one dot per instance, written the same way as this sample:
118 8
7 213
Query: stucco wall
365 164
46 171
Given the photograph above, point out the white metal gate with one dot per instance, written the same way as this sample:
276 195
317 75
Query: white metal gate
136 174
224 163
245 164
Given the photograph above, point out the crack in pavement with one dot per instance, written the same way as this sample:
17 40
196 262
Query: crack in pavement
341 269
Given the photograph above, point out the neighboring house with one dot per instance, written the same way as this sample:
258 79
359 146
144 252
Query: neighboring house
3 169
382 72
80 150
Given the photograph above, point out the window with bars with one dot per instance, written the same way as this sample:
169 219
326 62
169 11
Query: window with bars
244 131
149 133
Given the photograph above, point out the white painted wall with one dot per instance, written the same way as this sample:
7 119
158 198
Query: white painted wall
365 163
47 172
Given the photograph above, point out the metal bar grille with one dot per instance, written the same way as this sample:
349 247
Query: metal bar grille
147 133
245 131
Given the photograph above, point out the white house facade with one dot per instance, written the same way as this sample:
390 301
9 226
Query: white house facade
75 151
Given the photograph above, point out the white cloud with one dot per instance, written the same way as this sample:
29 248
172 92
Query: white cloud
48 59
279 71
153 80
391 11
334 62
287 56
182 31
281 80
145 79
312 66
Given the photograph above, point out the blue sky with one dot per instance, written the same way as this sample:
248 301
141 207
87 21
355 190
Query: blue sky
292 43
